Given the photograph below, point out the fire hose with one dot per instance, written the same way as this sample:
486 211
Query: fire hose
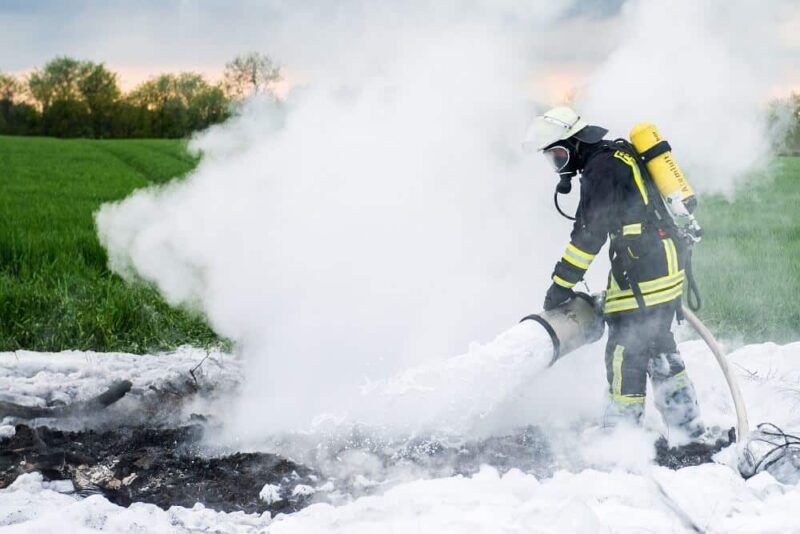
738 402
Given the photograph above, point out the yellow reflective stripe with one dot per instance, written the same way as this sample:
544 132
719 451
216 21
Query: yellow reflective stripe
632 229
660 298
612 283
573 261
637 176
630 399
622 305
639 183
672 254
680 380
579 253
616 370
629 303
662 282
563 283
647 287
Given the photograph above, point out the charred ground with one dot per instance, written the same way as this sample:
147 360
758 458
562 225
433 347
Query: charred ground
169 467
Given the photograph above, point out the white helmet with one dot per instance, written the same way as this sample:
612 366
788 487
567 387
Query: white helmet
558 124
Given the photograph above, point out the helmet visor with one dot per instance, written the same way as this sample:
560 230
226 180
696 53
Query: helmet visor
558 156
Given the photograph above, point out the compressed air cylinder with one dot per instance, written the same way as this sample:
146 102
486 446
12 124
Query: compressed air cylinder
571 325
667 175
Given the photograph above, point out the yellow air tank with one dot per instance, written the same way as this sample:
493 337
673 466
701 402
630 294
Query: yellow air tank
667 175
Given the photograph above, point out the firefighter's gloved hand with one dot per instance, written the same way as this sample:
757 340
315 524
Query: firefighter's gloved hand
556 296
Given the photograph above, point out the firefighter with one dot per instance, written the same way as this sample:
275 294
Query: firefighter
645 284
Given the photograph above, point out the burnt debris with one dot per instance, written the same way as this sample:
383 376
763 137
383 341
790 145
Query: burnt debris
143 450
84 408
157 466
692 453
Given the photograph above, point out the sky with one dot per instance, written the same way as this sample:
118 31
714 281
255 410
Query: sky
144 38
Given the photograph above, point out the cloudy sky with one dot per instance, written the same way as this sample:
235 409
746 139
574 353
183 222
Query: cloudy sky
142 38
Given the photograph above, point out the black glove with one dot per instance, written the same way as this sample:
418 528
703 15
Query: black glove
556 296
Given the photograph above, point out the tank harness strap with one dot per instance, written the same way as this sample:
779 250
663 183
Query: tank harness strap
659 217
624 271
655 150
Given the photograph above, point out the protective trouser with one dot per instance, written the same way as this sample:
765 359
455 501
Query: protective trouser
641 345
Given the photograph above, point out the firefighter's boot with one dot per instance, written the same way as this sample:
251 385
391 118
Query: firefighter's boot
674 394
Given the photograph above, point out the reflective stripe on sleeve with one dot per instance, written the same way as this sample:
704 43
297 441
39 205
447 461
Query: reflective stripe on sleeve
563 283
581 254
577 257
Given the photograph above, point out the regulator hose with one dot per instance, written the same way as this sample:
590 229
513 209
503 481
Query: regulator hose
558 208
738 402
692 292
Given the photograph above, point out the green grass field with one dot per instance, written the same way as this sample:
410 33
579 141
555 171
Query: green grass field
747 265
55 290
57 293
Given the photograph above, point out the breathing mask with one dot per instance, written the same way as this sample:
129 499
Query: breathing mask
564 159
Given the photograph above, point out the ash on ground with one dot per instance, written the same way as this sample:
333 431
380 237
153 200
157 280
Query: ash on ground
168 466
145 448
158 466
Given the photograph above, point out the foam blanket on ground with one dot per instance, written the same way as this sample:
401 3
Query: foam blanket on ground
605 496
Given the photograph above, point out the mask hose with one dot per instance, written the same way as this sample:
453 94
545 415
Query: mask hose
558 208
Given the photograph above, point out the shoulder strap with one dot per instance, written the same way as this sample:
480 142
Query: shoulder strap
657 209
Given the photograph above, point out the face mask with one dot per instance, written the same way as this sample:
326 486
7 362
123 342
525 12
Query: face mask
564 163
558 156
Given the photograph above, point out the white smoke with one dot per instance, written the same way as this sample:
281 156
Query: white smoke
383 215
380 216
702 72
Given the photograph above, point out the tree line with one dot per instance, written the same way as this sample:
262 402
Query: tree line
73 98
784 118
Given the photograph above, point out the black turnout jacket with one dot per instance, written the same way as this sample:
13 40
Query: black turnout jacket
616 202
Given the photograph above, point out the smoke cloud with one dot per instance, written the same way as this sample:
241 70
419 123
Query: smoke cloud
702 72
383 215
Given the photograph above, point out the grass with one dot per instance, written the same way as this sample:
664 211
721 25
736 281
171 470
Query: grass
56 292
747 265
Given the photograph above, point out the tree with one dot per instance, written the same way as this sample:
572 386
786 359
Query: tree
57 89
17 117
58 80
250 74
793 132
180 103
784 123
10 88
99 90
70 98
67 117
